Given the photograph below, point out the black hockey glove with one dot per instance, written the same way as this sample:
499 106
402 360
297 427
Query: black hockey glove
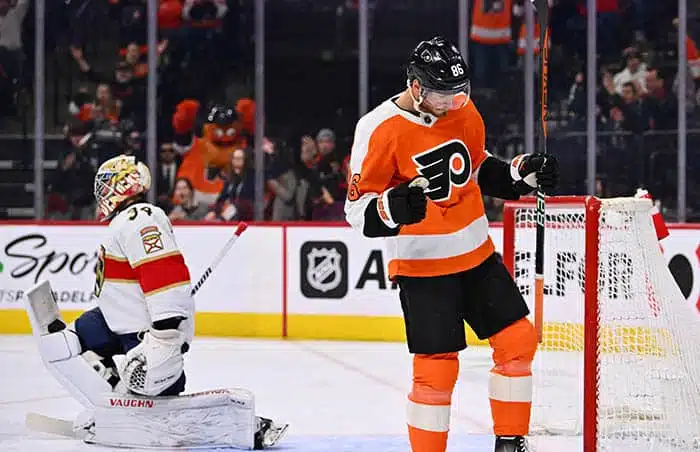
407 202
530 170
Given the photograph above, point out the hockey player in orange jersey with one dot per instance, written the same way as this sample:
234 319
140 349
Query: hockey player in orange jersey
418 169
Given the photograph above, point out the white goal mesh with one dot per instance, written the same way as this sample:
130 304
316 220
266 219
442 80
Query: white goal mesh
646 379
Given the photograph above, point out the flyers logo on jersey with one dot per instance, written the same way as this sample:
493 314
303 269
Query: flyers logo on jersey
445 166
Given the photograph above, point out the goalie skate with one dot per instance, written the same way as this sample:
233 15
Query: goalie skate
269 433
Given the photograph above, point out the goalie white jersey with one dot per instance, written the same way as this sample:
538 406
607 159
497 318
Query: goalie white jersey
141 276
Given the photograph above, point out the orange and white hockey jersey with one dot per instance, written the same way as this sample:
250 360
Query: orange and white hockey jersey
391 146
141 277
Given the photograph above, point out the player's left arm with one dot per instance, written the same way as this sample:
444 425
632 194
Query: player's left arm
520 176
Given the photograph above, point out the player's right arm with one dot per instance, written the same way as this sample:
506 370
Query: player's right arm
373 206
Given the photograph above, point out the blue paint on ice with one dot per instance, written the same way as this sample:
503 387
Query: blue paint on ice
471 443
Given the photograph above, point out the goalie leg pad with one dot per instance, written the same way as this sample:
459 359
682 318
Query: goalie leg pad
85 380
60 348
218 418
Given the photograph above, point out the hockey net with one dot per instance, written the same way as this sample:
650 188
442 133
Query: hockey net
630 378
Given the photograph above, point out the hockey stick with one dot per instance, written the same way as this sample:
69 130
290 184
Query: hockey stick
210 269
62 427
542 7
47 424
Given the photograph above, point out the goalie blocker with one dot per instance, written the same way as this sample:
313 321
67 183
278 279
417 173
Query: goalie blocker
115 417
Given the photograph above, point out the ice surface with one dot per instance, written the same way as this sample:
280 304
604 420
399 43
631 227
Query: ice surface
337 396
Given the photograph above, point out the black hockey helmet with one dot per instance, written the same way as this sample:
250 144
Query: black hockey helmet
438 66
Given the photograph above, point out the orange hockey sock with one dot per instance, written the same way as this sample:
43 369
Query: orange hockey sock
510 381
428 411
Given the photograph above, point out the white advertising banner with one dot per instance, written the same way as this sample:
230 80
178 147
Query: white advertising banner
249 279
334 270
329 270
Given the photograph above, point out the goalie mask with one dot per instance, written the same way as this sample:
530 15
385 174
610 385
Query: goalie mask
117 180
442 73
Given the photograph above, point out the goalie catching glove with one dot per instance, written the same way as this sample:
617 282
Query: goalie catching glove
155 364
529 171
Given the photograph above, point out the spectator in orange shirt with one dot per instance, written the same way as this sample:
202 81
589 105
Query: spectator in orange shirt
104 107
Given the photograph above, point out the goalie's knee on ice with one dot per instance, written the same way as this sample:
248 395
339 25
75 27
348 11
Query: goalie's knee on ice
517 343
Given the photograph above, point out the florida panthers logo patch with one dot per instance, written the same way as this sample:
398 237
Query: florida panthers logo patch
445 166
151 239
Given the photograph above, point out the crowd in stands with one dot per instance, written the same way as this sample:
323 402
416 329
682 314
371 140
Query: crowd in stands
206 164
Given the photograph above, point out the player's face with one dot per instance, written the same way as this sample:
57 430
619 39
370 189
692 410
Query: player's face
439 103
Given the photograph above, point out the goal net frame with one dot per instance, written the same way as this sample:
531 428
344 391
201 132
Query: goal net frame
592 210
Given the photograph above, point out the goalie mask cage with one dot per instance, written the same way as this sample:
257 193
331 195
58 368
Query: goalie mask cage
619 358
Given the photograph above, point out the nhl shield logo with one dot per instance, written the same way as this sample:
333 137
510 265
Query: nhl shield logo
324 269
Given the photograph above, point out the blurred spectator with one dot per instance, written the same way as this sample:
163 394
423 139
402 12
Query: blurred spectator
103 107
132 139
71 194
133 22
169 16
693 57
12 13
204 13
634 72
167 174
129 90
203 20
185 206
491 38
522 42
133 60
329 168
295 184
235 202
627 112
577 102
659 106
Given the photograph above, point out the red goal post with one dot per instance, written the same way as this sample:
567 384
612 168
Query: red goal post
590 289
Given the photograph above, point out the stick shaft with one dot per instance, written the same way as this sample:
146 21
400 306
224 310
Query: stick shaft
219 257
543 20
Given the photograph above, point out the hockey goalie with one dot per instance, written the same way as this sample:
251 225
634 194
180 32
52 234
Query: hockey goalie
123 360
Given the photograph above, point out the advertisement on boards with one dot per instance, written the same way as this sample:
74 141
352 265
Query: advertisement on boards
249 279
333 270
65 255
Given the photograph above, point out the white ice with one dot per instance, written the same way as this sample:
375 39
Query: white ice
337 396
